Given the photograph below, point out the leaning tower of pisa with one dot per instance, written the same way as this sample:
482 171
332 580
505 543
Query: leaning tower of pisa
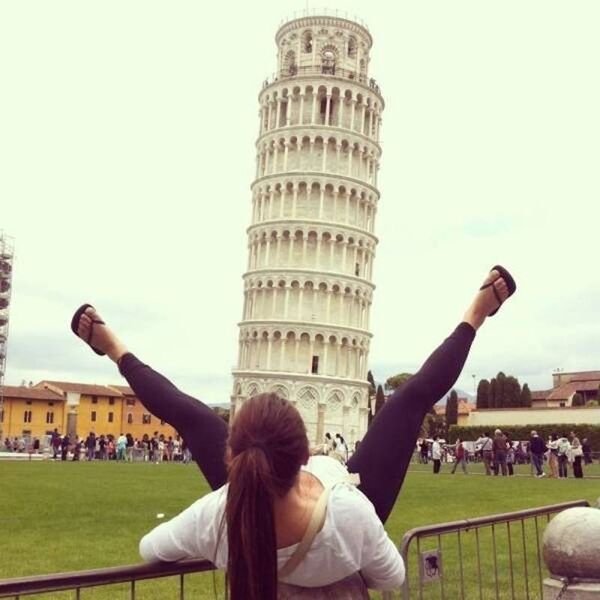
308 287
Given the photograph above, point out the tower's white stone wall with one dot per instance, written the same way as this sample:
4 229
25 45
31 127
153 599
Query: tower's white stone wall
311 243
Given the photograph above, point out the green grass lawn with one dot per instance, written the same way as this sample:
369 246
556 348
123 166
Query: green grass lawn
70 516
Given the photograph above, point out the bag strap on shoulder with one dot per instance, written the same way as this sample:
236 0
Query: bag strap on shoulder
317 520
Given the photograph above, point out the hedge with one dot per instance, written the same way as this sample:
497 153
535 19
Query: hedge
523 432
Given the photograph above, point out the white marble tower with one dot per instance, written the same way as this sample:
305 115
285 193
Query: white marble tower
308 287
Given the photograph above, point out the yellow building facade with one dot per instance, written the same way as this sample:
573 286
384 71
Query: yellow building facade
31 412
76 409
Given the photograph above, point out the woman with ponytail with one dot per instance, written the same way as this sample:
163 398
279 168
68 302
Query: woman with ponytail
277 515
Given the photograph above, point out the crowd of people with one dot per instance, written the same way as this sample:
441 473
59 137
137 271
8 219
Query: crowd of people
335 446
499 454
156 448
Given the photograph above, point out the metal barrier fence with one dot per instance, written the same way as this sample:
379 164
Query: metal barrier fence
491 558
79 580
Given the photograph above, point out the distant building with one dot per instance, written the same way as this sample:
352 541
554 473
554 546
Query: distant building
464 410
565 386
76 409
553 406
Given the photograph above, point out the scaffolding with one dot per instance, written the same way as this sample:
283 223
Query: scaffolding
6 266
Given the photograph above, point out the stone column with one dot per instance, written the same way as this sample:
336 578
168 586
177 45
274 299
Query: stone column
283 342
286 147
294 200
275 155
286 302
327 108
301 114
269 349
320 422
72 404
300 301
321 202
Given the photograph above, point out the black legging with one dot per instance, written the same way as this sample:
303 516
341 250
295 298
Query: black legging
384 453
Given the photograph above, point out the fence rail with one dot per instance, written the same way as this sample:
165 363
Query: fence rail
78 580
511 567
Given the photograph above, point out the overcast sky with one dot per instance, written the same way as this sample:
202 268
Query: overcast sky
127 133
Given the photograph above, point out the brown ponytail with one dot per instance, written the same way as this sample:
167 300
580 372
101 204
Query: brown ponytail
267 446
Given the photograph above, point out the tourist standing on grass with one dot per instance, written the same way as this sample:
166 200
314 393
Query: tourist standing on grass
101 442
424 446
587 451
436 454
460 456
499 446
553 455
64 444
576 455
90 445
177 448
510 456
342 447
484 444
121 447
77 449
536 451
267 488
564 448
129 447
55 442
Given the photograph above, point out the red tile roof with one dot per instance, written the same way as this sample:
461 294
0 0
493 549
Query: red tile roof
82 388
29 393
123 389
540 394
465 407
566 390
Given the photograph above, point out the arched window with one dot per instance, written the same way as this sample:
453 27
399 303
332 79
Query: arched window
307 42
352 47
289 63
328 61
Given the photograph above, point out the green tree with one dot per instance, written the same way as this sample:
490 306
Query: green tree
577 400
433 425
501 390
483 394
525 396
512 392
371 412
396 381
452 409
493 393
379 399
371 381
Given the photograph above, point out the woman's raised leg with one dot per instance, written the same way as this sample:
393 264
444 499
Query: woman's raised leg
384 454
203 430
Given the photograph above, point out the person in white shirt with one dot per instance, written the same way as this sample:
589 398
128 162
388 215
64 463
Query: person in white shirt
436 454
266 486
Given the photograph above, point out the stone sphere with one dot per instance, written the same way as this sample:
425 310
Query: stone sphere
572 543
